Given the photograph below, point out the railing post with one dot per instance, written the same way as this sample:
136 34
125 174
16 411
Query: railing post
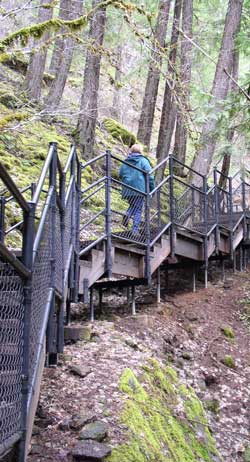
171 204
231 216
77 235
206 229
244 207
51 321
2 219
108 229
147 222
216 209
193 206
27 259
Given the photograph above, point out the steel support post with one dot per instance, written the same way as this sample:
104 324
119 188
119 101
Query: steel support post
223 269
133 301
171 204
100 291
128 295
91 304
62 303
27 259
67 311
194 279
234 262
108 216
147 222
158 286
240 259
2 216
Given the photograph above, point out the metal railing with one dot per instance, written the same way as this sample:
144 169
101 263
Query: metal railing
35 281
70 211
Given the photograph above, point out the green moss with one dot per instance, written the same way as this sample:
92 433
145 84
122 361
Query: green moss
228 332
119 132
155 433
213 405
229 362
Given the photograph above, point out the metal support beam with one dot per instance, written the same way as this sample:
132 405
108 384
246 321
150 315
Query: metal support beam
133 301
91 305
206 277
158 286
194 279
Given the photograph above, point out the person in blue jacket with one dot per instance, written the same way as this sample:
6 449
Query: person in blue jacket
137 180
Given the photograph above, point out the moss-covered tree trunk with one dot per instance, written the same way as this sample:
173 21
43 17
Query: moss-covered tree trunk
117 101
204 156
64 13
230 133
63 58
153 79
184 91
34 76
169 109
89 101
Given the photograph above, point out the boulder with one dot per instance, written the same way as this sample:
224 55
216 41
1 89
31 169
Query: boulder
78 421
82 371
90 451
76 332
94 431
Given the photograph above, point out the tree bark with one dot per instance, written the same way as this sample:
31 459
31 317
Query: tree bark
63 57
169 108
88 109
34 76
204 156
185 78
230 133
64 13
116 105
153 79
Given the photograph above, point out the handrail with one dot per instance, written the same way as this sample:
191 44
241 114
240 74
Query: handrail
69 160
165 180
7 180
13 260
159 165
9 199
129 164
92 161
129 187
188 167
42 222
44 172
191 186
92 185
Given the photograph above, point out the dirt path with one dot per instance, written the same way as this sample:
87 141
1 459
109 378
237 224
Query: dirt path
185 329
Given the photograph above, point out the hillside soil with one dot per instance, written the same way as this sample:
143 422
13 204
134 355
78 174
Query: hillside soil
204 335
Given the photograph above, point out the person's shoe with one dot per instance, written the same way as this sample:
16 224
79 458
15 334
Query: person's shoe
125 221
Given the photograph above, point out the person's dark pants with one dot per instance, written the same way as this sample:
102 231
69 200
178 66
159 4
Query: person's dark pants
134 211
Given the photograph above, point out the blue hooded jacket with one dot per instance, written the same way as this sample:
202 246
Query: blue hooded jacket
133 177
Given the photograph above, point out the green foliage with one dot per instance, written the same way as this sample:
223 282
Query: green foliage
229 362
228 332
155 431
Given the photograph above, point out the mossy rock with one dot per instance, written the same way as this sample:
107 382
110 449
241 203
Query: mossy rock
119 132
155 431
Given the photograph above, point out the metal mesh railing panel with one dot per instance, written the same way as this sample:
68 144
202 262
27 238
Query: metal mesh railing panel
92 212
68 225
159 215
58 253
11 350
127 213
41 283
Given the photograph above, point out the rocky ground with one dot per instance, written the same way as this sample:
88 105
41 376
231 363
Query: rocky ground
204 335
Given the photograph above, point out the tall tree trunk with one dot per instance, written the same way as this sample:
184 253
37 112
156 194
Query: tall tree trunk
185 78
204 156
116 105
34 76
153 79
230 133
88 109
169 109
65 13
63 58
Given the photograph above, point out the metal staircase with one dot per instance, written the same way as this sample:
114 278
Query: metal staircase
72 240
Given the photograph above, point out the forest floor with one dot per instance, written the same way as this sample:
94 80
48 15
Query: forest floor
187 329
